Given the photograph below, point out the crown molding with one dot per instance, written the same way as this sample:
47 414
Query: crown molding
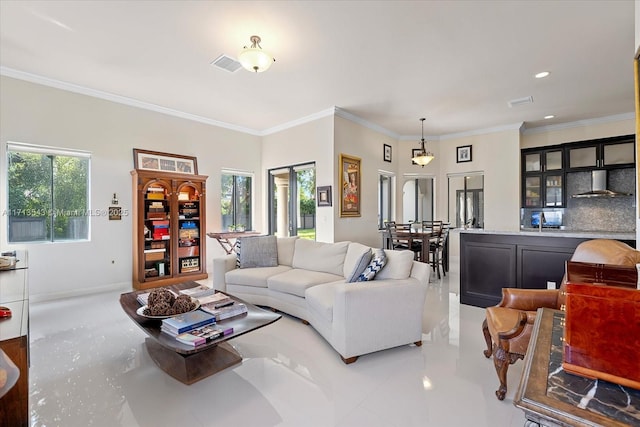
580 123
495 129
362 122
310 118
333 111
58 84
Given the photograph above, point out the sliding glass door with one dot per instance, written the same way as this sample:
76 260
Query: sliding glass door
292 204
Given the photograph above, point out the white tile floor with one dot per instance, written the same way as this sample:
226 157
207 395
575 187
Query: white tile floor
89 367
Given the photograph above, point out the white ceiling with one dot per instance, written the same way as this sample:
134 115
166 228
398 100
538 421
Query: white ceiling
457 63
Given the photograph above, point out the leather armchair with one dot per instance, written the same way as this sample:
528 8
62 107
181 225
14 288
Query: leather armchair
507 327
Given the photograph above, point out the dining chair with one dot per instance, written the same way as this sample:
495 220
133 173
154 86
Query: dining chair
435 244
401 238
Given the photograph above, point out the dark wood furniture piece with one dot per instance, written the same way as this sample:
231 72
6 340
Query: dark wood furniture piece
186 363
550 396
168 219
508 326
492 261
229 240
14 340
544 169
602 330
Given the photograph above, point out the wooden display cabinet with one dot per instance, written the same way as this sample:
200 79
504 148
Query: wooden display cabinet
168 222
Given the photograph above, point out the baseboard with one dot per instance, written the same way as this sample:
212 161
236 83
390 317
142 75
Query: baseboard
50 296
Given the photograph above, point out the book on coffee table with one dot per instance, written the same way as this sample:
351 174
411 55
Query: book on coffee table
186 321
200 336
198 291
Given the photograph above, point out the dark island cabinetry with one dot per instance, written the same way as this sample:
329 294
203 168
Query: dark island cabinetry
530 260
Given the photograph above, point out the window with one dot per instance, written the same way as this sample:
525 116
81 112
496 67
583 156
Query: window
292 204
236 204
48 194
385 198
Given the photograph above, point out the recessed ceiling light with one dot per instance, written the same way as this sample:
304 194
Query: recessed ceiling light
550 116
542 75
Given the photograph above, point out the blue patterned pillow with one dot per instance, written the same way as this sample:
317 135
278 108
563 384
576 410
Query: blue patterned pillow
238 247
377 263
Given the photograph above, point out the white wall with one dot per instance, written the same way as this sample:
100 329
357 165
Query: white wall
42 115
356 140
307 142
497 156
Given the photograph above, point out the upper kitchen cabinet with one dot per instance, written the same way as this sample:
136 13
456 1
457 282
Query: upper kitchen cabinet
537 160
608 153
543 177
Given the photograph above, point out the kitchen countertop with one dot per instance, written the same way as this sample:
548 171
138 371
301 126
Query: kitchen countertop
557 233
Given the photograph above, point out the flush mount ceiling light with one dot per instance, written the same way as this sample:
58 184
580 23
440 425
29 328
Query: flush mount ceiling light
424 156
542 75
255 59
550 116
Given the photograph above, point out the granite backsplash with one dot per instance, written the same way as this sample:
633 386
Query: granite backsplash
605 213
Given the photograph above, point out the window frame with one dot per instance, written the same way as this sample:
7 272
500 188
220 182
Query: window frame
235 174
87 212
390 199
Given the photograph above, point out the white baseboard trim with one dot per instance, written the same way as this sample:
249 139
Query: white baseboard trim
50 296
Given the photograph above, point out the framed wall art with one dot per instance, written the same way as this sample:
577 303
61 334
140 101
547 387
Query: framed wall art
463 154
386 152
349 186
324 196
164 162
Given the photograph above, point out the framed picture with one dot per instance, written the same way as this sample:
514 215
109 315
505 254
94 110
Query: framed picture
414 153
164 162
349 186
463 154
324 196
386 152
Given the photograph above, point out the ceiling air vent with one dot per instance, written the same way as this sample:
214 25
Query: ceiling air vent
227 63
520 101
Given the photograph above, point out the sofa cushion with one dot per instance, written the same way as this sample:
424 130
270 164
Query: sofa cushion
356 260
296 281
398 265
320 300
376 265
318 256
286 247
253 276
257 251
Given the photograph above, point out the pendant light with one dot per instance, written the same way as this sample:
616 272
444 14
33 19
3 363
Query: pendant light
424 156
253 58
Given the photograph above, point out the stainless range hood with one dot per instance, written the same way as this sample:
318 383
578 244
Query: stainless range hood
599 187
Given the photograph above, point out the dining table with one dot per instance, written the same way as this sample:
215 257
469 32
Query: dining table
419 234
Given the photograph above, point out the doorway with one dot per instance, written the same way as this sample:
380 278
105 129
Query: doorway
418 200
292 204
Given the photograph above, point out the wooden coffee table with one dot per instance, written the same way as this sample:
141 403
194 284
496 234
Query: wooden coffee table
186 363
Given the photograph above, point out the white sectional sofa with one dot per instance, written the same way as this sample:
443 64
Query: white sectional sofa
309 281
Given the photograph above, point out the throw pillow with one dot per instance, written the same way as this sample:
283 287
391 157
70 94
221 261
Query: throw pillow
378 261
237 248
361 264
258 251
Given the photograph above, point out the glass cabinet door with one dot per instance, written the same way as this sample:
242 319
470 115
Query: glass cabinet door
532 163
618 154
583 157
553 160
533 187
553 190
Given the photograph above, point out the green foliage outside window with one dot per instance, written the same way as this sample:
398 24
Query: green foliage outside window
47 197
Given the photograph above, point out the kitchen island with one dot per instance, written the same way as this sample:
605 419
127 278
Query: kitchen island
530 259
